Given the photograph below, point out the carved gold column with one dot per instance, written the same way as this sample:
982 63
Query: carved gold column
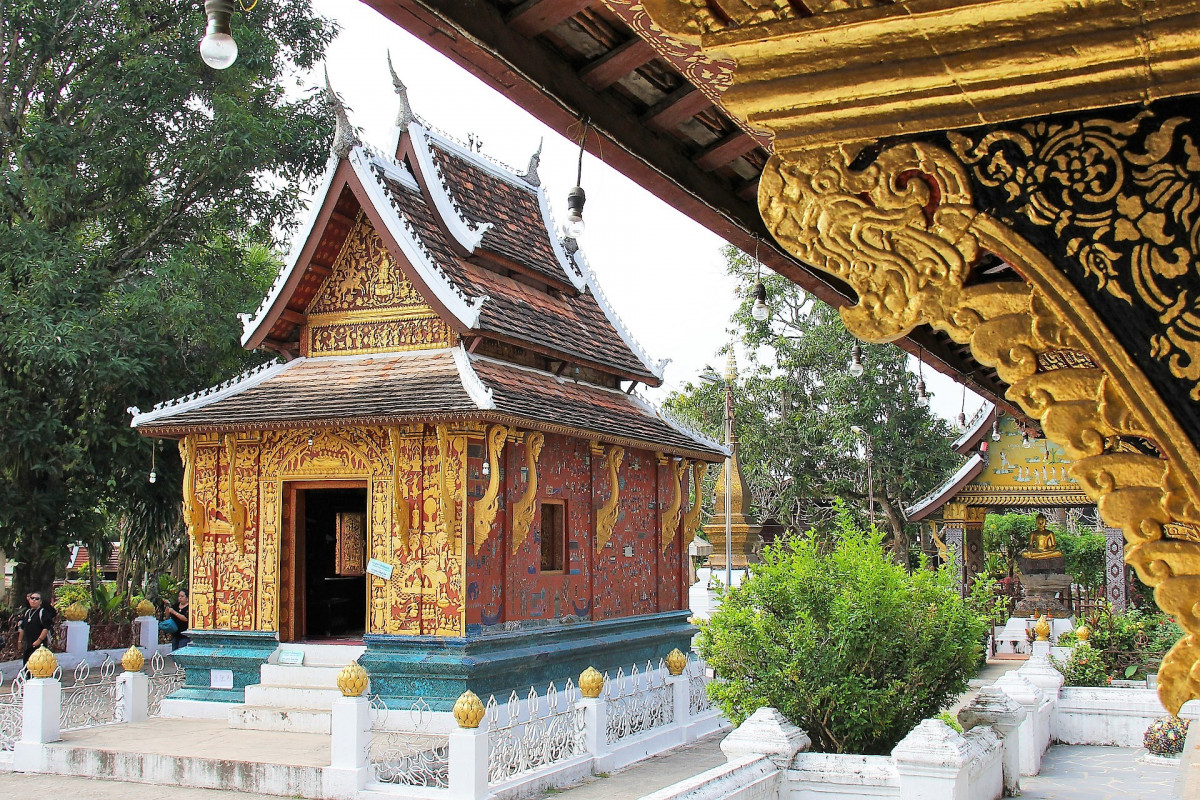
526 505
900 224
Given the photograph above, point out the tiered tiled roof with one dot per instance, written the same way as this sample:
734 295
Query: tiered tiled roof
426 386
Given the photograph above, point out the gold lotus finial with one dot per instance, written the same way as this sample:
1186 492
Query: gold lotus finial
1041 629
1083 633
145 608
676 661
133 660
76 612
591 682
352 680
42 663
468 710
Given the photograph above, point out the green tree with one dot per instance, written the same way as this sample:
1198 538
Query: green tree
138 186
796 407
844 641
1007 535
1083 552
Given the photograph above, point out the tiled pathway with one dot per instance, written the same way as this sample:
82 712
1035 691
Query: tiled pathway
1077 772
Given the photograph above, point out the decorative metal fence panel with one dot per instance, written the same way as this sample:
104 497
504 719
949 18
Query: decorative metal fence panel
550 730
11 708
638 703
411 757
697 675
91 699
164 679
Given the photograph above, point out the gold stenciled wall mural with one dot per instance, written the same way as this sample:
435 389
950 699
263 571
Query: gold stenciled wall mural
240 589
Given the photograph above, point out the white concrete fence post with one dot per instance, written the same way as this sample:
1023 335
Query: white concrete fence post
469 763
595 721
1030 698
147 635
40 713
78 634
932 763
133 692
680 695
992 706
350 746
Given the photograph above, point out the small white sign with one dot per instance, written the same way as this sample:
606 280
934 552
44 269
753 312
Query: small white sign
220 678
291 658
380 569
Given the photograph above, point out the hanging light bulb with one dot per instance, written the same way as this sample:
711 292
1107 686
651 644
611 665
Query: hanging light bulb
962 422
761 310
856 368
577 197
1025 442
922 395
995 430
217 48
153 477
487 468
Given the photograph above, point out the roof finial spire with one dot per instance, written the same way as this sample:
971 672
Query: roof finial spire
531 172
345 138
404 114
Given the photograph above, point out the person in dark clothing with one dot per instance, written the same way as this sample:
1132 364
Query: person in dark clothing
37 623
176 621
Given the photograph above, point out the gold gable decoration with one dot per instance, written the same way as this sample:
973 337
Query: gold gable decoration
524 508
368 305
606 515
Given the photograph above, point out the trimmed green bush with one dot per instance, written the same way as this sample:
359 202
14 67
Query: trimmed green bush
1084 667
846 643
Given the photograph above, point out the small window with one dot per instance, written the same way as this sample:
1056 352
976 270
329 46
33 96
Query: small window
554 536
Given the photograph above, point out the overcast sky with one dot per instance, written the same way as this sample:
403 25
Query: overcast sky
662 272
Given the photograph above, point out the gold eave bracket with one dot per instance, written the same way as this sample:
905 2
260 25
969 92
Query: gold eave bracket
926 65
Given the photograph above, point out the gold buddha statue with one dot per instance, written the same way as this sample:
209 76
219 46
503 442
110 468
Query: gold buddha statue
1041 542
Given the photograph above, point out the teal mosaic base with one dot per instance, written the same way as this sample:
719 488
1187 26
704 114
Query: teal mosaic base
405 669
242 652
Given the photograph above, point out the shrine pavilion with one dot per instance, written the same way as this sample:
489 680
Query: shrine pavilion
449 464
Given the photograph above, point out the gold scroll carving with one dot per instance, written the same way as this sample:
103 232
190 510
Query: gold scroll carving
670 516
350 545
488 506
446 495
904 233
691 518
195 516
401 508
525 507
238 514
606 516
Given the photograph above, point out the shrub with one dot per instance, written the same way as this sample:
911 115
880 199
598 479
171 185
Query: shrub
1084 667
70 593
845 642
1135 638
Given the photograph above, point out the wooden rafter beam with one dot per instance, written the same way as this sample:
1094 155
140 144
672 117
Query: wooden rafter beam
725 150
682 104
535 17
617 63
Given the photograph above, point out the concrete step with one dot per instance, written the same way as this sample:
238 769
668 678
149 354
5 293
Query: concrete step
314 677
170 770
275 718
325 655
258 694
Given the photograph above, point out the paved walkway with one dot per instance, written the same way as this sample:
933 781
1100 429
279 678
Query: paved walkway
652 774
1078 772
19 784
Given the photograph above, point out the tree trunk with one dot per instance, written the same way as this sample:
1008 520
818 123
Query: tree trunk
35 576
896 525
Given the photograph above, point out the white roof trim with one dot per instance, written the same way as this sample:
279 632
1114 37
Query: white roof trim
479 392
968 465
465 309
484 162
677 424
189 402
656 368
975 425
251 323
466 233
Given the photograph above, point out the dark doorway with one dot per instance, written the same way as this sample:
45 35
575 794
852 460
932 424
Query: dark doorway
333 538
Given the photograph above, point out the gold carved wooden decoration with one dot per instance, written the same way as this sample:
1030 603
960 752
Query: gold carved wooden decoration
691 518
523 509
350 547
235 526
401 507
904 233
670 516
606 516
446 495
195 516
488 506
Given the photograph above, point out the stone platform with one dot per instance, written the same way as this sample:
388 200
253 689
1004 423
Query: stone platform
195 753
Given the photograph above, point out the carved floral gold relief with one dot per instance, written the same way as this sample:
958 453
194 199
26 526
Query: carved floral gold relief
903 231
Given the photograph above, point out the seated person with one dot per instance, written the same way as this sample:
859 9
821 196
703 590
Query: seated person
176 621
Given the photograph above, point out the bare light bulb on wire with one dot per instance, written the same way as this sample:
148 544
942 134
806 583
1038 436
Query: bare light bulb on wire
487 468
961 422
217 48
856 368
761 310
575 226
995 430
922 394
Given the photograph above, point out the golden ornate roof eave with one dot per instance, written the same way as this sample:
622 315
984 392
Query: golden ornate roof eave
911 66
180 431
